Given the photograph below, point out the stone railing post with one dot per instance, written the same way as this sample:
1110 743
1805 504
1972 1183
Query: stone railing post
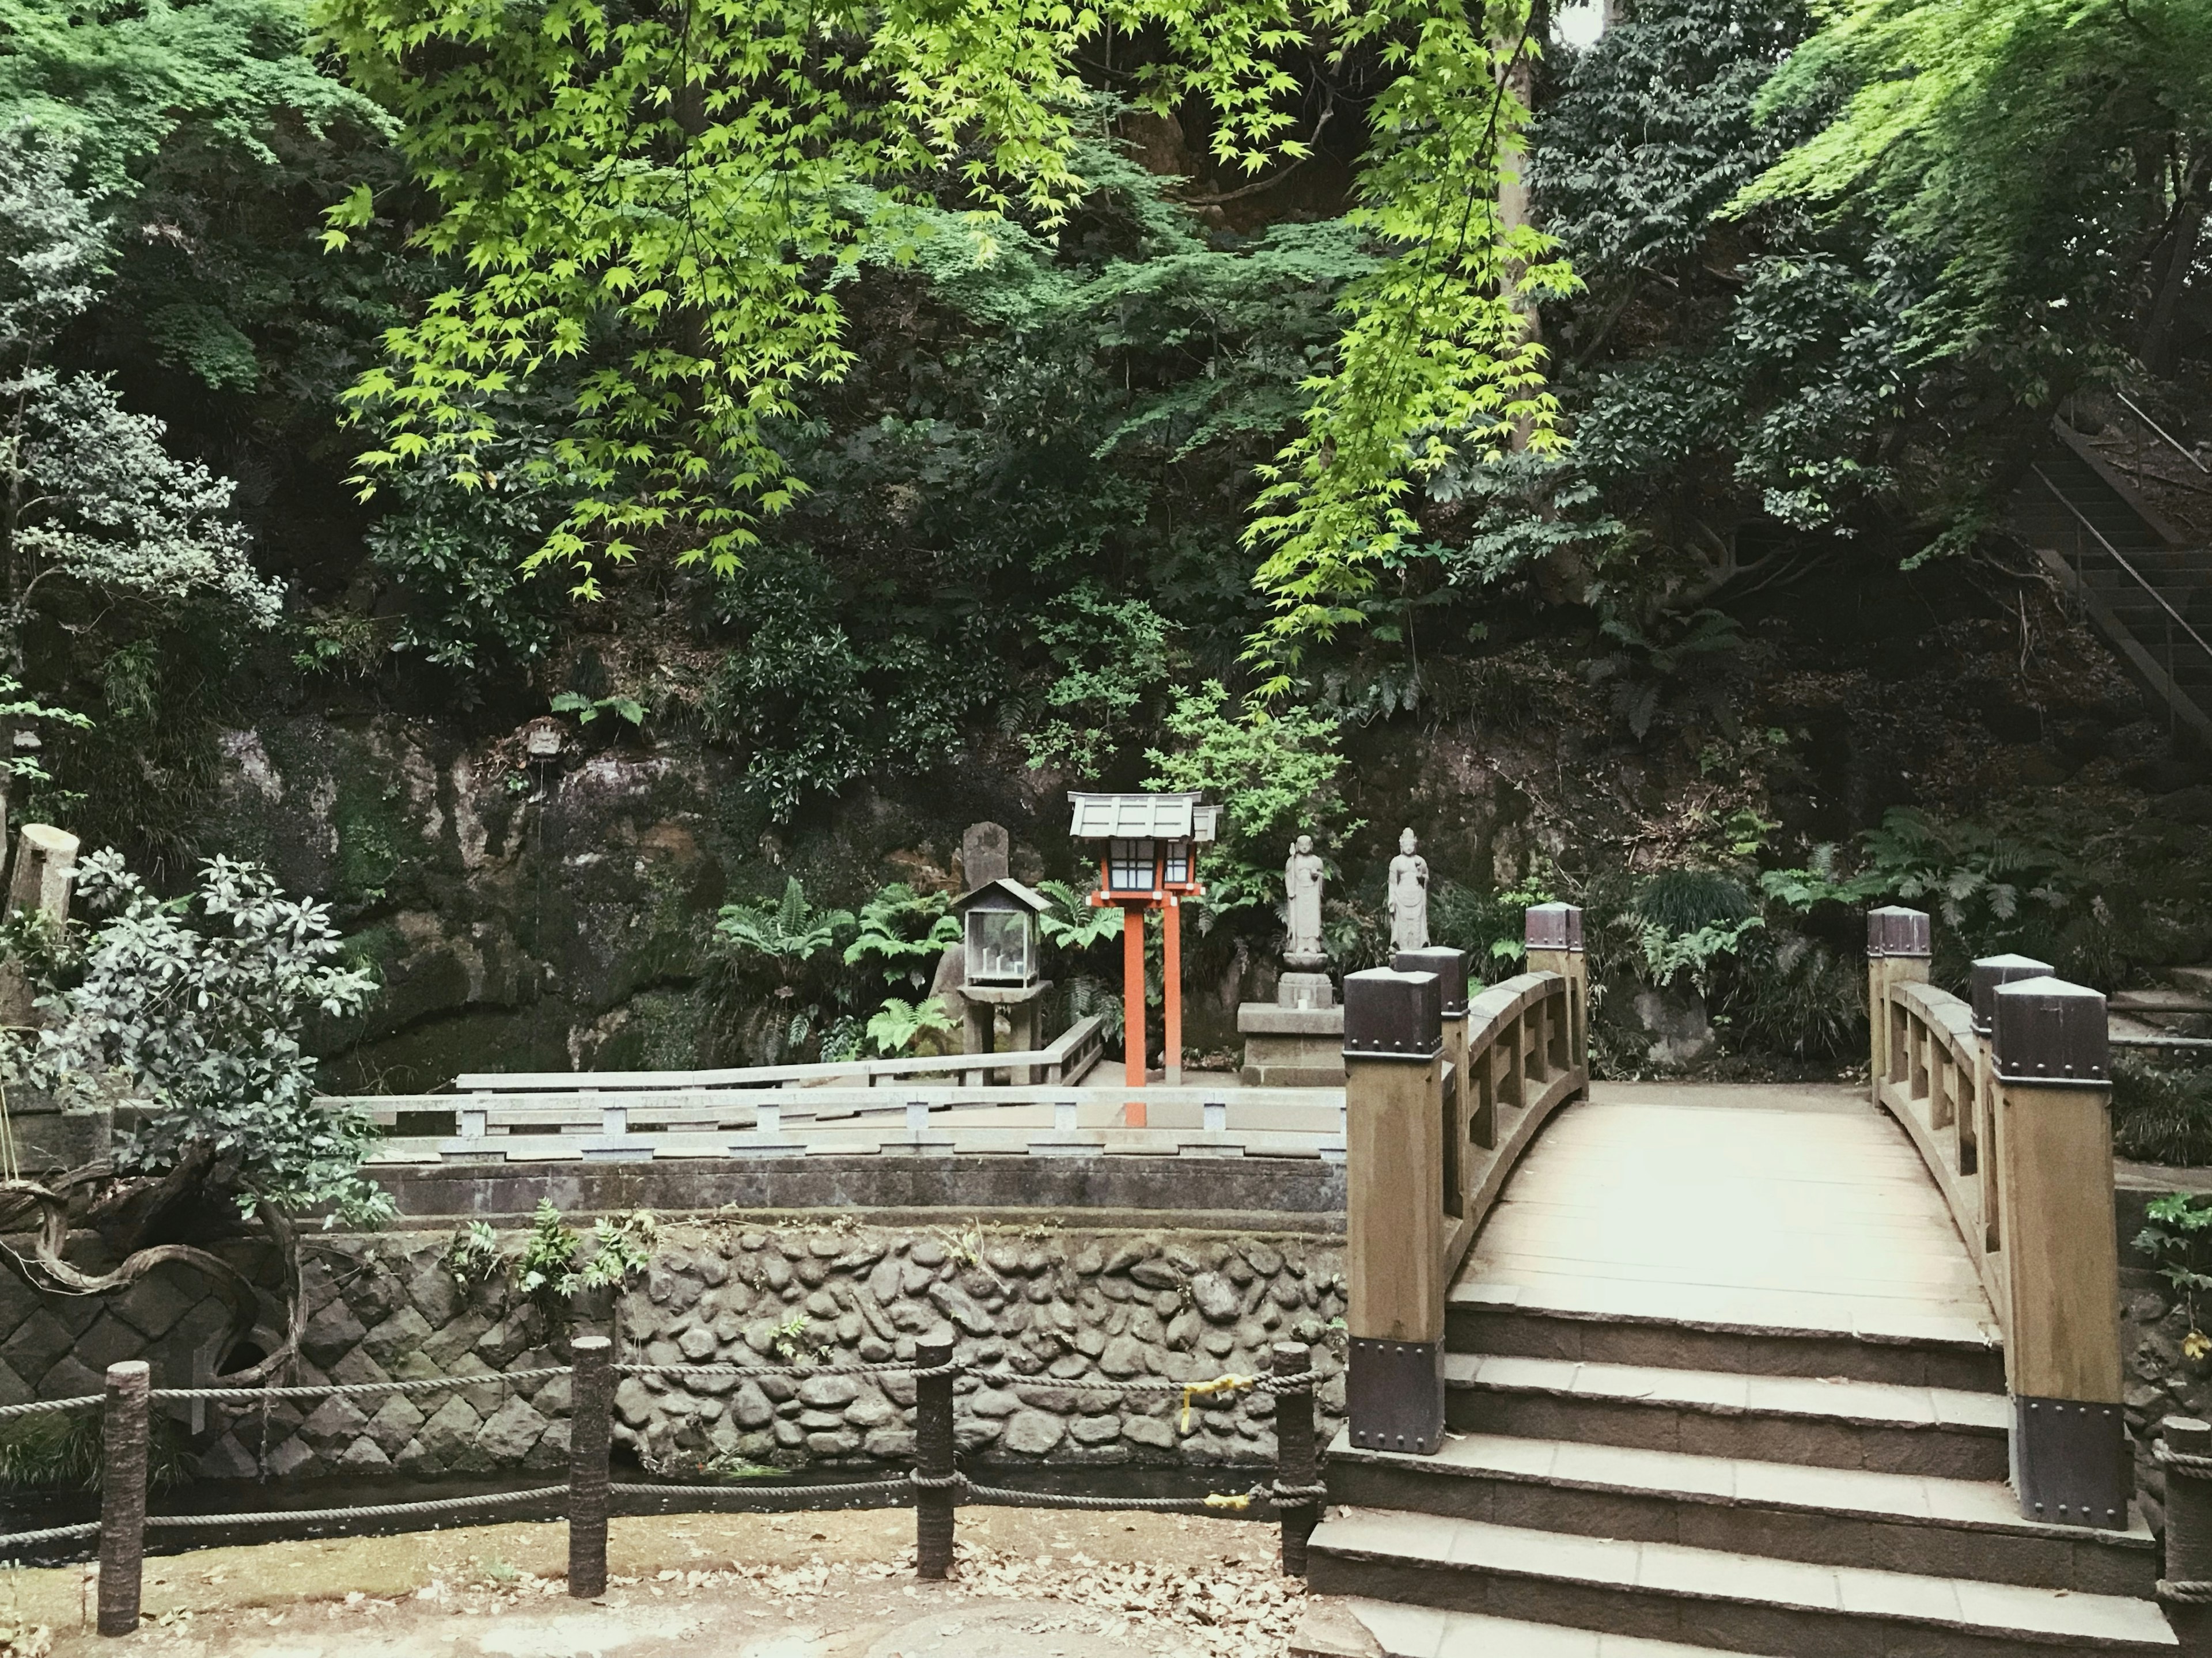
1461 1104
124 1434
1297 1468
1898 946
934 1489
1395 1220
2184 1449
591 1426
44 878
1553 935
2070 1463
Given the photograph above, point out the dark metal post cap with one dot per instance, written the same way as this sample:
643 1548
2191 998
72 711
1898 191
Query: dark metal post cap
1986 975
1894 930
1450 967
1553 926
2051 1033
1390 1014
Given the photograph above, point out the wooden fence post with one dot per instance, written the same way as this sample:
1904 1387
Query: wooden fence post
2070 1463
1985 977
1395 1220
1898 946
1553 937
591 1424
123 1433
933 1460
1296 1467
2184 1447
1461 1101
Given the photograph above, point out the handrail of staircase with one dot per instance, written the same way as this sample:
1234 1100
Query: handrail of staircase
2143 416
2120 558
2007 1096
1444 1092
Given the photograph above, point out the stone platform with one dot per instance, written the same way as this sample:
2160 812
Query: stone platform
1297 1041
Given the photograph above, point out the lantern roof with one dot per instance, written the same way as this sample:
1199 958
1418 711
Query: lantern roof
1004 890
1180 816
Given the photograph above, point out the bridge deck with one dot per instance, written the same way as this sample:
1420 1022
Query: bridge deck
1738 1207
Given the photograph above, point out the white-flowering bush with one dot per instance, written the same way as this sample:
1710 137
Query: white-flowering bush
88 494
195 1007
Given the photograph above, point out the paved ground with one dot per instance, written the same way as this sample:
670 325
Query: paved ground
1750 1205
1029 1585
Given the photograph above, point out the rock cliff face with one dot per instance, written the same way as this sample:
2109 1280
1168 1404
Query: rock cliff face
1059 1307
551 911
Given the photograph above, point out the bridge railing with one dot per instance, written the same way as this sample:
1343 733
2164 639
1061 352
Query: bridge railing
2008 1097
1442 1094
1068 1059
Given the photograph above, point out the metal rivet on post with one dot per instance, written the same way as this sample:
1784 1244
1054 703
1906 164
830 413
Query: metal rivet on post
591 1424
124 1432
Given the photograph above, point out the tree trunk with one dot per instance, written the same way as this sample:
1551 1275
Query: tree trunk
2180 251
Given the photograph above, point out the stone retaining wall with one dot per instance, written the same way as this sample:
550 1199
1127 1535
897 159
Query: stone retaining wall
1060 1304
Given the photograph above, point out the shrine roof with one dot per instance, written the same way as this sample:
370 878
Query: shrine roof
1180 817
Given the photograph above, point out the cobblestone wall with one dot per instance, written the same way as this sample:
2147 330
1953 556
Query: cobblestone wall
1058 1304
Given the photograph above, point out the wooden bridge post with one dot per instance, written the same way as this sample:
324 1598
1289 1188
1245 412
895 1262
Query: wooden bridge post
1984 978
1462 1101
1394 1219
125 1428
2070 1462
1553 937
1898 946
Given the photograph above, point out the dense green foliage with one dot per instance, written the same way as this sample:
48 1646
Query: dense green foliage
660 212
1003 392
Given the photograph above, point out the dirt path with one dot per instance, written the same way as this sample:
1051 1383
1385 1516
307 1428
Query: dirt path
1029 1584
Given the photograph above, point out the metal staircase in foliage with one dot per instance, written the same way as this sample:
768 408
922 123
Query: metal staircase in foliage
2144 582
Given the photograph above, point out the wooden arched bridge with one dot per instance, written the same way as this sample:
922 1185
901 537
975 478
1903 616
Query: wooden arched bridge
1791 1371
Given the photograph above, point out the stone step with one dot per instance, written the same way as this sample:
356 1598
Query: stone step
1350 1626
2197 979
1825 1516
1712 1599
2159 1003
1690 1328
1888 1427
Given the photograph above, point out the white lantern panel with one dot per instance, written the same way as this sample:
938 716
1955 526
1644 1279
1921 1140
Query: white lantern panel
1000 946
1129 866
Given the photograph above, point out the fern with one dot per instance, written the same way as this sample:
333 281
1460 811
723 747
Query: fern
894 1026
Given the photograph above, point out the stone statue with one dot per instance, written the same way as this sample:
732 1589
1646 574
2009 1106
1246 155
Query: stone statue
1301 877
1409 897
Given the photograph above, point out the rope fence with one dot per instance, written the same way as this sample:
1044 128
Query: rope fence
934 1487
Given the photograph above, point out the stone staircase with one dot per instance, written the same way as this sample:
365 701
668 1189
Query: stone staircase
1687 1463
1624 1488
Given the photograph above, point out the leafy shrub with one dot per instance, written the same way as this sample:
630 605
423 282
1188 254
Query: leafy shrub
2162 1114
1791 994
896 1024
198 1006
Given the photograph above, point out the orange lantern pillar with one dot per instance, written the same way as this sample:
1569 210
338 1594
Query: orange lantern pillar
1171 986
1133 1005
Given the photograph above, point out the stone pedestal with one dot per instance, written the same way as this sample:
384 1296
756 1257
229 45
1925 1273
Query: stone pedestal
981 1004
1297 1041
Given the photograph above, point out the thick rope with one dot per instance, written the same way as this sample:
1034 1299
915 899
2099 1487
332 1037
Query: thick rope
803 1371
378 1511
39 1406
1291 1496
999 1496
2188 1464
1099 1384
2188 1592
892 1489
359 1389
52 1535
